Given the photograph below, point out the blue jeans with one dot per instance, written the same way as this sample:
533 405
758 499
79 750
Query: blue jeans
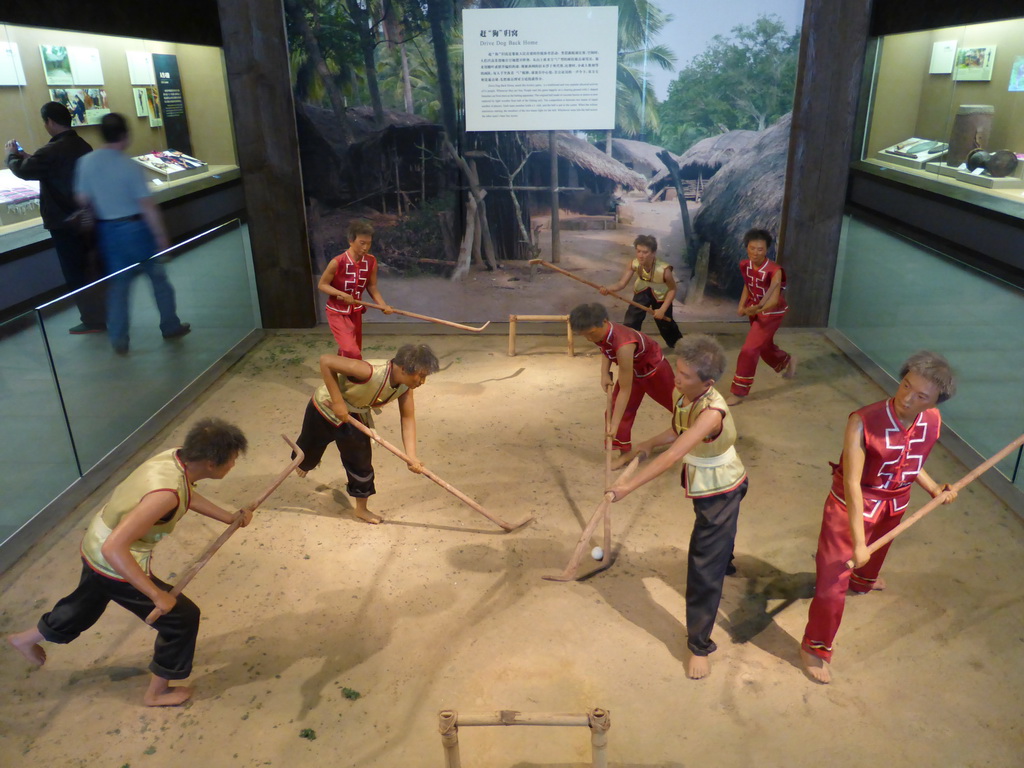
123 244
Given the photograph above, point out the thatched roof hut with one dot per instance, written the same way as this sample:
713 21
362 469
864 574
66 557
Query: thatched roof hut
354 158
638 156
586 158
705 158
708 155
747 192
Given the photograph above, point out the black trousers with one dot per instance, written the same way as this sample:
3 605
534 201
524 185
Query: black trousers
80 266
711 545
175 644
353 447
635 317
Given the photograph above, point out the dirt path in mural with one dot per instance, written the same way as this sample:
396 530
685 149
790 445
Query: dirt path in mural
595 255
436 608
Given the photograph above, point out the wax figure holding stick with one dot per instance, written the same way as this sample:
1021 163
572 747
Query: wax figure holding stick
763 301
643 369
117 550
884 450
654 286
703 436
352 389
346 277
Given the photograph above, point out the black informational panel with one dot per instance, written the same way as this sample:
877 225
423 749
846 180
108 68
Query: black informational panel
172 101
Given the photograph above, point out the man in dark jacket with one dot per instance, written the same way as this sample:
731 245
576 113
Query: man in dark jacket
53 166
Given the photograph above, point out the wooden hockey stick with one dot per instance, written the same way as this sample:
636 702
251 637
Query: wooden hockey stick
592 285
970 477
601 513
372 434
460 326
233 526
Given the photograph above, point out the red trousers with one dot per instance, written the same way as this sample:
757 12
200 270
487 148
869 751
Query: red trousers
833 578
659 385
760 343
348 332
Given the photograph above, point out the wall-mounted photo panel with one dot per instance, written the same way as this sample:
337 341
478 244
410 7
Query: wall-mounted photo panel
1017 75
975 63
87 105
11 71
56 64
140 68
943 56
141 102
85 66
156 113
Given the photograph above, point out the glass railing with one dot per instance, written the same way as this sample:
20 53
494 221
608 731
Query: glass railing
68 400
894 296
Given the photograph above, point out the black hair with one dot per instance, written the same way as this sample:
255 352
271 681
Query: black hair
650 242
114 127
758 234
416 358
54 110
587 316
213 440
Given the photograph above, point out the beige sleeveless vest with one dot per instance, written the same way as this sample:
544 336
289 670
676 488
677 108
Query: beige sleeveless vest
655 279
164 472
361 397
712 467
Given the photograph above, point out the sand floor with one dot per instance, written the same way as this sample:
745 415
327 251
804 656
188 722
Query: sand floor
437 608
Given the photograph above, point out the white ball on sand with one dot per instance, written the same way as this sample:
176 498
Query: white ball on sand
597 553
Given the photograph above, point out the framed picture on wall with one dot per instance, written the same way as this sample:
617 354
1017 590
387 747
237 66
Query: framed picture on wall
11 71
86 105
1017 75
140 68
85 66
974 63
156 114
56 64
141 102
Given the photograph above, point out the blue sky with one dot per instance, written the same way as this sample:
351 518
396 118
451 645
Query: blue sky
695 22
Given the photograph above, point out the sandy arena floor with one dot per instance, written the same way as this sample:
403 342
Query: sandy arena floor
437 608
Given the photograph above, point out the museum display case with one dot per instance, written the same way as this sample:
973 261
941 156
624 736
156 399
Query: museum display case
174 95
944 112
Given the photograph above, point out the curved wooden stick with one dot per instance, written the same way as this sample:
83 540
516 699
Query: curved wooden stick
970 477
601 513
233 526
460 326
592 285
372 434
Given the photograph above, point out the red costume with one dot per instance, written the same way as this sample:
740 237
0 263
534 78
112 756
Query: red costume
346 320
893 457
761 336
652 375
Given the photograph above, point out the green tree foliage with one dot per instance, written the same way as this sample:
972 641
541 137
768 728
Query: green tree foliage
745 81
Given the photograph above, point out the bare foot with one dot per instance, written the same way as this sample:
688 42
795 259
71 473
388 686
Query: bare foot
734 399
367 516
160 694
301 472
698 667
816 667
878 586
27 644
790 371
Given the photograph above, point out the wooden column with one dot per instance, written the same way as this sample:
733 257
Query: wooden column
832 47
256 57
